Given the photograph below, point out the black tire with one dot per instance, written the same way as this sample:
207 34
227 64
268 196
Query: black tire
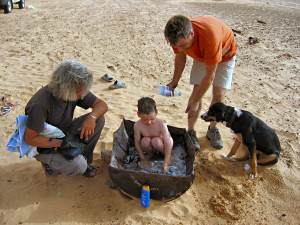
8 7
21 4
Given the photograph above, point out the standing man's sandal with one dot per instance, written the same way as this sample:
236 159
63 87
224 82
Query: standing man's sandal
195 142
215 138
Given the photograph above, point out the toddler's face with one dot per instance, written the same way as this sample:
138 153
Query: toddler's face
148 119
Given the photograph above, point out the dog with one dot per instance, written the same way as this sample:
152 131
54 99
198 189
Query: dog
255 135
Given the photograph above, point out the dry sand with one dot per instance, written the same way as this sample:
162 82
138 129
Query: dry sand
129 36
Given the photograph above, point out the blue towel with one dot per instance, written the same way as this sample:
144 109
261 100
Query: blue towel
17 143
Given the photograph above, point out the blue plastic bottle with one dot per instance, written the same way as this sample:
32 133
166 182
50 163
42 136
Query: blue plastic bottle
145 196
165 90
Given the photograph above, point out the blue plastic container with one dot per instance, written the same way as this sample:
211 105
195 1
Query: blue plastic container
165 90
145 196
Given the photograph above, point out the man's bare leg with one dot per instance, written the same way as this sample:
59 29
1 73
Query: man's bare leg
213 132
191 128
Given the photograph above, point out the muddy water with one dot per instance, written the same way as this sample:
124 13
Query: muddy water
177 164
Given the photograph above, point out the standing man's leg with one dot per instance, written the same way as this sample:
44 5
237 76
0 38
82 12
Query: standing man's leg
218 96
191 131
197 74
213 133
221 83
192 121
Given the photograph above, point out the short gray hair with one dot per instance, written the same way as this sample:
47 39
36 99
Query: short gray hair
69 78
177 27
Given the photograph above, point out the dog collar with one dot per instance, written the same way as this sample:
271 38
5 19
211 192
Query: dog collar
237 112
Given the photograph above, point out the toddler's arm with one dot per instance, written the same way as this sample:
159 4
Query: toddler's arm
137 141
168 144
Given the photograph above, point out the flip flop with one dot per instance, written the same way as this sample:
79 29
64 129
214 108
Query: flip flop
90 172
253 40
117 84
48 170
107 77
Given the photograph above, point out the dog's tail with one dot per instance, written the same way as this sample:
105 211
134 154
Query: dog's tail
266 160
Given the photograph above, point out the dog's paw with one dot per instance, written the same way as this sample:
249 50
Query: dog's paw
228 158
246 167
252 176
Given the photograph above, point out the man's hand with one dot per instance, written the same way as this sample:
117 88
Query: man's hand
172 85
87 128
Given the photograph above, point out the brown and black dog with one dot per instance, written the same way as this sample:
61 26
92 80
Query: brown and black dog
255 135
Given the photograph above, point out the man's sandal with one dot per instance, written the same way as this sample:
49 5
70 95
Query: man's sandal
91 171
107 77
117 84
48 170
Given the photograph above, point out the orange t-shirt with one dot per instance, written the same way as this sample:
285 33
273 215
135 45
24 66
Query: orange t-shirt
214 41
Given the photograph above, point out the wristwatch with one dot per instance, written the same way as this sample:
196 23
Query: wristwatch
50 140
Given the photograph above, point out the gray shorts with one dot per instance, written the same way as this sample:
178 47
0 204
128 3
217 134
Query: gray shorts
59 164
223 76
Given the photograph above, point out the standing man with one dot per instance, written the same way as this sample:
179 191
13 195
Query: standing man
55 104
211 44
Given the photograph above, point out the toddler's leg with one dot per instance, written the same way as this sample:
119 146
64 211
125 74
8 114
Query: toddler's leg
158 144
146 144
146 147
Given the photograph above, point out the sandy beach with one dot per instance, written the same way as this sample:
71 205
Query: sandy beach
128 36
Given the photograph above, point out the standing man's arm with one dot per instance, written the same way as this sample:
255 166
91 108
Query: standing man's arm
180 60
87 128
200 90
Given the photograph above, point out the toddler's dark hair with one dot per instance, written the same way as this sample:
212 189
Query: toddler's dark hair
146 105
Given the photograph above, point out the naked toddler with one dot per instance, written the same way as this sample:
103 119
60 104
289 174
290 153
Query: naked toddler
151 134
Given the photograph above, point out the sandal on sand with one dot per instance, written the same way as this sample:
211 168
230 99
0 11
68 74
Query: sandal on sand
107 77
91 171
253 40
48 170
117 84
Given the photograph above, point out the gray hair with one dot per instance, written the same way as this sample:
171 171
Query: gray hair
177 27
69 78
